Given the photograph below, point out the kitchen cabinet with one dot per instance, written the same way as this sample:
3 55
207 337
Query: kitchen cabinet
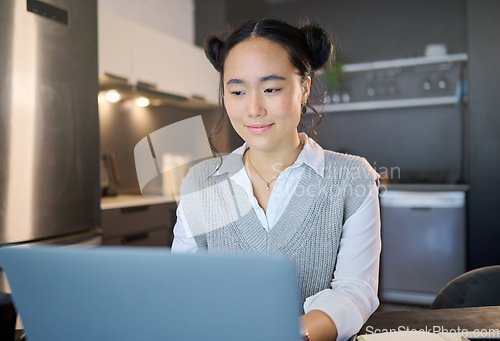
141 54
204 79
132 220
115 44
161 60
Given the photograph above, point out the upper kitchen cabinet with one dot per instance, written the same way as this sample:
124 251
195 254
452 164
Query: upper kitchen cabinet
204 79
141 54
115 44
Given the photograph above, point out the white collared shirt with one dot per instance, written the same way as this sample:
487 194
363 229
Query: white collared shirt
353 294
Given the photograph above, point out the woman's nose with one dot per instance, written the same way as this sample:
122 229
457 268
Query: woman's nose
255 105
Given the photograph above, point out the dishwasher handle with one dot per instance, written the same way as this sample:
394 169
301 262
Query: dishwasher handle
422 200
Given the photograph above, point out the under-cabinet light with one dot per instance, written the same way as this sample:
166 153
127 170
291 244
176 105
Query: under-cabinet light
142 102
112 96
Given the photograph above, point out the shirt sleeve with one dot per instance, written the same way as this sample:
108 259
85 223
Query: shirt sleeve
353 294
184 241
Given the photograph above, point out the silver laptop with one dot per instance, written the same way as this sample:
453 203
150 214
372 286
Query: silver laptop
120 293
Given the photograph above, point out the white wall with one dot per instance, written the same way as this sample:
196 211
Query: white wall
172 17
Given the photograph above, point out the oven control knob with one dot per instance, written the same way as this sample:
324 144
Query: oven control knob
442 84
426 85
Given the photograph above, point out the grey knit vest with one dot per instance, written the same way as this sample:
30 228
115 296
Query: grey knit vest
221 218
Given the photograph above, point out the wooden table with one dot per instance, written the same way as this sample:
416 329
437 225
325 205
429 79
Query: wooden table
469 319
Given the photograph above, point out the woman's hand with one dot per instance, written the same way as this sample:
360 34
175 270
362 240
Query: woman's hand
319 326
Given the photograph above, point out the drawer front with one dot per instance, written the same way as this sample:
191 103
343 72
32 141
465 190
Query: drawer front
130 220
157 237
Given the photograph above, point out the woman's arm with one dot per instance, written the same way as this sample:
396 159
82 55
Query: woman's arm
319 326
183 241
342 310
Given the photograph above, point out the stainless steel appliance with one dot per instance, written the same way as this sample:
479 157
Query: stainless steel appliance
49 142
423 242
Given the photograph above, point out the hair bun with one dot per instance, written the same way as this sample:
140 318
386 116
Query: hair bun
213 48
319 44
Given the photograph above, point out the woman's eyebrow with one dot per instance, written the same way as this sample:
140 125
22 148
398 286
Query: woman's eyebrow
263 79
234 81
272 78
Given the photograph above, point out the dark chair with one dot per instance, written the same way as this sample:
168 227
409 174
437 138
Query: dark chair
476 288
7 317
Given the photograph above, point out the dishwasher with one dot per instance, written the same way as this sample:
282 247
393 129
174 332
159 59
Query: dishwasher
423 243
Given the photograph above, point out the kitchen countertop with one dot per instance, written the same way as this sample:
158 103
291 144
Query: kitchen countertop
130 200
424 187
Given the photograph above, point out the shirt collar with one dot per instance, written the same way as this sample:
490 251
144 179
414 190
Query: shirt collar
312 155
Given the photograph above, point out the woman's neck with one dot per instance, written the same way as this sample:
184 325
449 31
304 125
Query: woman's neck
273 162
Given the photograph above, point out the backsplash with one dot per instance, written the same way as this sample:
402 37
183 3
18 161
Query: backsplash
123 125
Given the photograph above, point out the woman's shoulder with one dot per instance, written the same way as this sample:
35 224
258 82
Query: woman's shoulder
348 162
336 158
204 168
198 174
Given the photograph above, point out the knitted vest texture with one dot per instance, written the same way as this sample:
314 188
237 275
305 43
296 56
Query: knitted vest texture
221 218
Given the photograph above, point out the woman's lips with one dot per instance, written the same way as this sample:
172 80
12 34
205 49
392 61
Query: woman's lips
259 128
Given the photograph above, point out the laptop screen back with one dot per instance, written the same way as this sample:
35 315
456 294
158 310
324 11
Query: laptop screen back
119 293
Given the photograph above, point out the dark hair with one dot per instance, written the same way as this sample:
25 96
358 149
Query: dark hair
309 48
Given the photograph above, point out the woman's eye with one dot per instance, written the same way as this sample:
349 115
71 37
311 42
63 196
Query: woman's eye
271 91
237 93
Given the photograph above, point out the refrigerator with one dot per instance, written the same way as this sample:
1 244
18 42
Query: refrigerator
49 127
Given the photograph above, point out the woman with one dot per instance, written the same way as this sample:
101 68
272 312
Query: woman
280 191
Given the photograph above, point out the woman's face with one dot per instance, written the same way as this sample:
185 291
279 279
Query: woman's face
263 94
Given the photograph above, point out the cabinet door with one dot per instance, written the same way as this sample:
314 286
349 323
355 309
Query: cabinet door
205 79
115 44
132 220
139 53
147 225
155 237
161 60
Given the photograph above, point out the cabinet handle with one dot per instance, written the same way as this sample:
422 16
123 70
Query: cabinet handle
134 209
135 237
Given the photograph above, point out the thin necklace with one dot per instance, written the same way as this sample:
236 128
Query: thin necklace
255 169
247 157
